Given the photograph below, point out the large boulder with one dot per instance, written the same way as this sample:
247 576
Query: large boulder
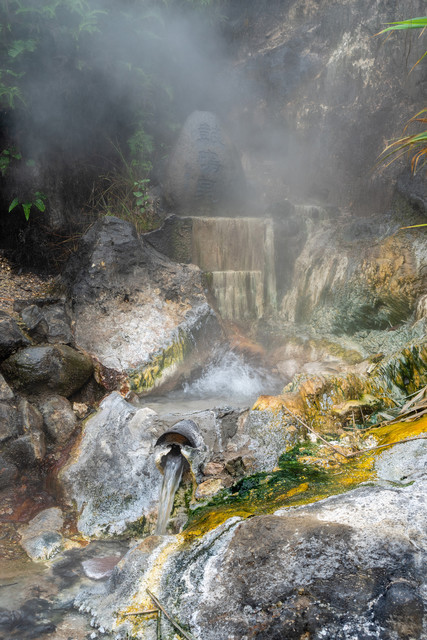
204 175
349 566
143 318
112 475
57 368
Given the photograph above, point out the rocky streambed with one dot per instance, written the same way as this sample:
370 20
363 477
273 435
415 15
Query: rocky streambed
300 514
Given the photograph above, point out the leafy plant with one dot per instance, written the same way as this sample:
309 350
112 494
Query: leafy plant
127 91
6 156
416 143
141 195
123 191
37 201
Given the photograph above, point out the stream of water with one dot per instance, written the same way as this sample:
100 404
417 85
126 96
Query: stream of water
173 468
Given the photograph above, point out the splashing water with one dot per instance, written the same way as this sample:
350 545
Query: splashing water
173 469
228 380
230 377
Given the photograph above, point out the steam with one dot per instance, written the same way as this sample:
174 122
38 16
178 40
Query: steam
308 96
140 63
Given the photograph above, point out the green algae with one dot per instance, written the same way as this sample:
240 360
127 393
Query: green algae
142 380
252 493
406 370
350 356
305 474
137 529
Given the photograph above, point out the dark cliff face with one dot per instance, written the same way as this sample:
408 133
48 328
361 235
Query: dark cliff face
319 95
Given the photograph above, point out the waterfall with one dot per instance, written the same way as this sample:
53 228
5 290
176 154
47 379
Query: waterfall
172 474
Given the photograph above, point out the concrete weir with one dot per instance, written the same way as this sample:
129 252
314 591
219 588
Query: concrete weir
239 253
236 254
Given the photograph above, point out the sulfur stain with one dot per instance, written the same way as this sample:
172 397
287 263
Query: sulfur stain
308 473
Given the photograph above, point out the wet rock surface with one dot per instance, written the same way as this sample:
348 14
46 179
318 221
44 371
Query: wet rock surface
41 538
6 392
8 473
36 599
344 283
48 322
9 422
346 567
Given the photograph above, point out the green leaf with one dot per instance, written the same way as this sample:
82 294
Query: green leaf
27 208
20 46
413 23
13 204
138 194
40 204
14 74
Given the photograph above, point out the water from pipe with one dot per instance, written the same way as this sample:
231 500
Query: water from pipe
172 474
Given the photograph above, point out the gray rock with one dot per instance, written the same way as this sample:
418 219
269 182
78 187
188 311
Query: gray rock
30 446
344 281
347 567
41 538
144 318
59 369
8 473
20 431
11 336
6 392
48 323
109 251
35 322
26 450
9 421
413 188
59 418
401 609
112 476
404 463
31 418
204 174
264 436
